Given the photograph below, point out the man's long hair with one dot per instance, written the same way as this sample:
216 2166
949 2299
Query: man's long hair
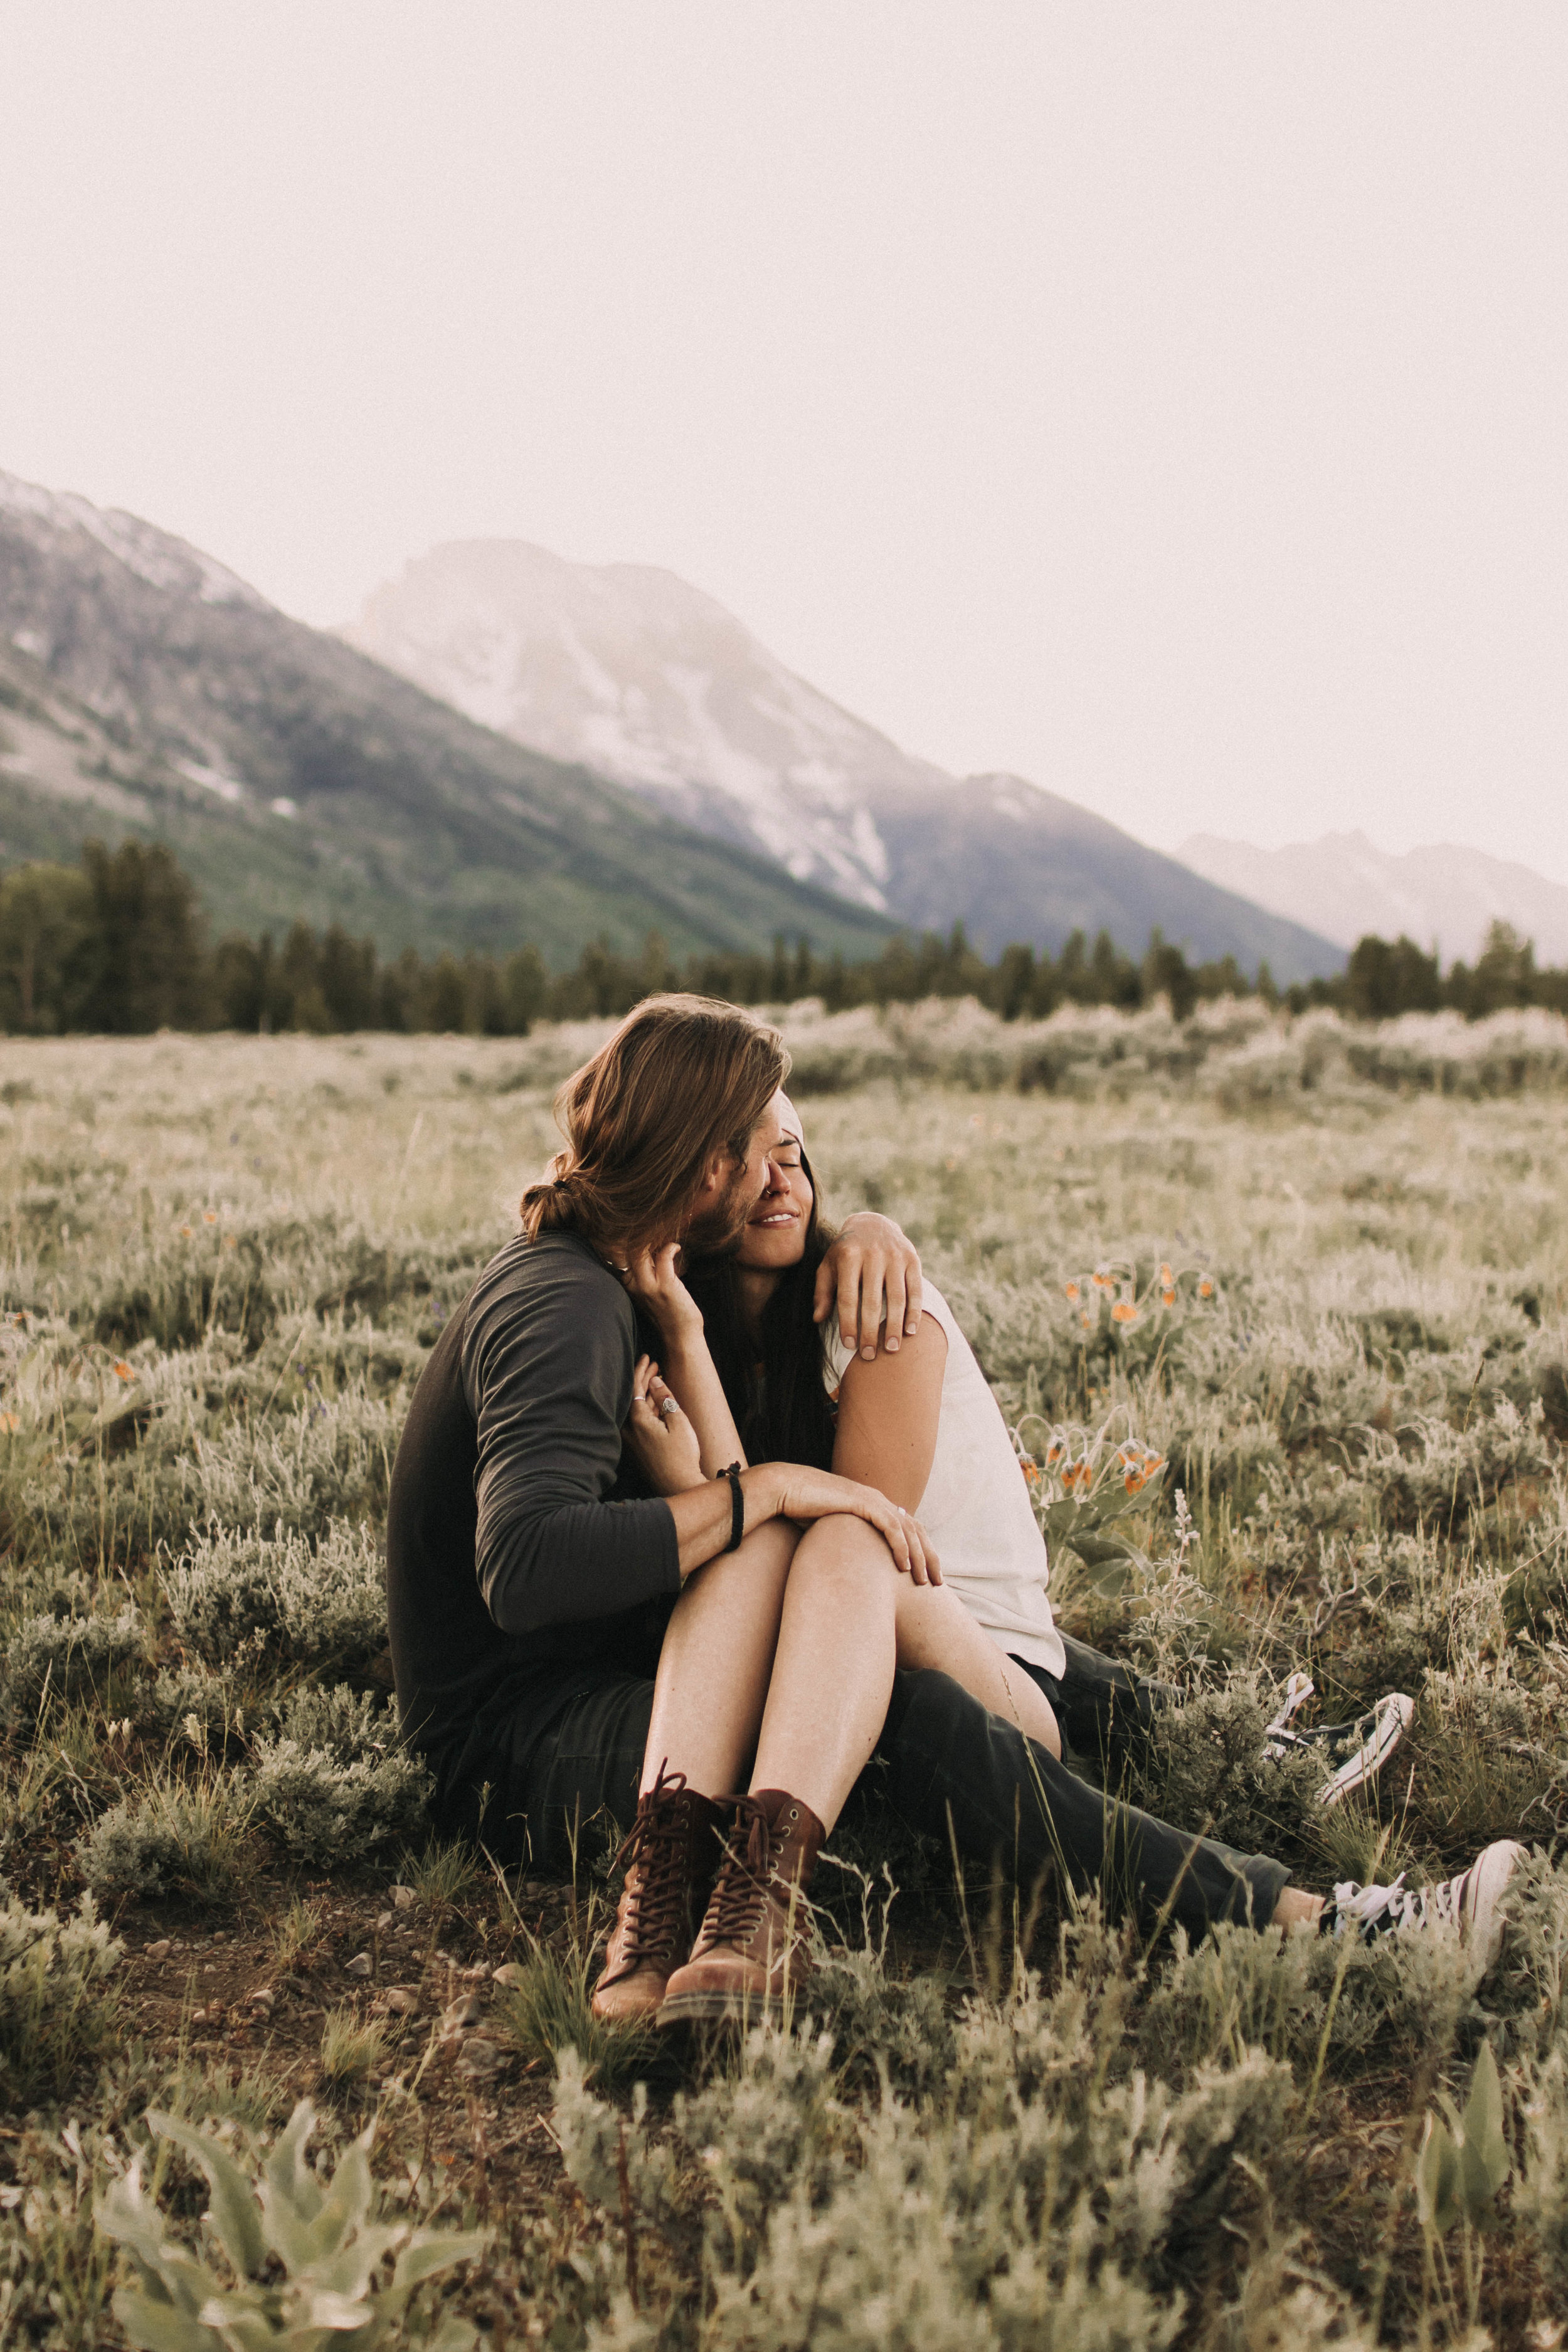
682 1079
773 1382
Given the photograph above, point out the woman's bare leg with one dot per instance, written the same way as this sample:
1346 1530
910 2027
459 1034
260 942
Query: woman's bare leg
833 1671
713 1667
849 1620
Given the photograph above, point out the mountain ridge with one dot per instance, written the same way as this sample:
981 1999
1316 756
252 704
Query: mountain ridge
654 681
1443 896
145 688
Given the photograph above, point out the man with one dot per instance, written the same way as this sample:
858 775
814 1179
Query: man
542 1609
529 1580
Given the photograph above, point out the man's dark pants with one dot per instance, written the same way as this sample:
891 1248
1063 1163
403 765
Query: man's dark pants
948 1766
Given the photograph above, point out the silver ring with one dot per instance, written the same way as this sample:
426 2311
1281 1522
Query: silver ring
667 1407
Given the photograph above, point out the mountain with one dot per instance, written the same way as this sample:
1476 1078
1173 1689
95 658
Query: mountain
144 689
631 671
1342 886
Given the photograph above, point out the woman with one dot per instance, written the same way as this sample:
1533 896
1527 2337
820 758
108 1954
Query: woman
742 1376
742 1357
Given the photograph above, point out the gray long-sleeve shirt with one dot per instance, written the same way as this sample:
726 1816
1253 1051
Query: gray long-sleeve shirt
511 1553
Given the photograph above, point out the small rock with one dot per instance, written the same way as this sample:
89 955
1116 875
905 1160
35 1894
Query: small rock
198 2017
479 2058
384 1923
160 1950
402 1898
512 1973
263 1998
360 1966
458 2015
400 2001
534 1888
474 1976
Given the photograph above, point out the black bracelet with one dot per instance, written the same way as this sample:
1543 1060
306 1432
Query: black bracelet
737 1506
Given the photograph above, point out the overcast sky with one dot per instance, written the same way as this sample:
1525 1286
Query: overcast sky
1166 402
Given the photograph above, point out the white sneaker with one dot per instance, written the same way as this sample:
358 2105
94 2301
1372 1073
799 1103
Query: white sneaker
1356 1752
1468 1904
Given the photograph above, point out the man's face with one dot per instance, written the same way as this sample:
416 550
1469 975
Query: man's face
730 1191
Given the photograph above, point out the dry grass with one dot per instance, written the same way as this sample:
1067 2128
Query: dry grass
224 1263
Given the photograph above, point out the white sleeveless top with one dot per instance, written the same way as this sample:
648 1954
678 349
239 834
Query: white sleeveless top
976 1506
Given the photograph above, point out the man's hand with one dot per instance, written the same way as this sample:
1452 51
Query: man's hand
872 1259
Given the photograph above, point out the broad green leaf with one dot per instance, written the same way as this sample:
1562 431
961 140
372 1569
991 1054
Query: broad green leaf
344 2206
233 2213
125 2215
159 2327
347 2270
1437 2178
242 2322
430 2252
1483 2123
286 2172
340 2313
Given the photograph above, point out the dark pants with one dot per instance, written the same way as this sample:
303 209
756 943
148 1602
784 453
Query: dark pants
949 1767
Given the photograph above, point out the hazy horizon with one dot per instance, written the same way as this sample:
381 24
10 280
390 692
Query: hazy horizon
1164 409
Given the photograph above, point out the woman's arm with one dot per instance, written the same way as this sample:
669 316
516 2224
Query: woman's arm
888 1407
687 1361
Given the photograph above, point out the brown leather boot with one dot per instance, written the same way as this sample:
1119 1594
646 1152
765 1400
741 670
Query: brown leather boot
672 1854
752 1951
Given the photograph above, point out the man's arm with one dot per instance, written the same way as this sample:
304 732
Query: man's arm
547 1370
872 1260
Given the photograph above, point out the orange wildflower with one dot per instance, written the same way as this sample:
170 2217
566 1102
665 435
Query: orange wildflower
1167 1299
186 1232
10 1422
1072 1293
1125 1312
1101 1280
123 1371
1206 1288
1030 1470
1166 1277
209 1216
1084 1320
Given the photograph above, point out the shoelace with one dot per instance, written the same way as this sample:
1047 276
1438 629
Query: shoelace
1377 1909
657 1841
744 1878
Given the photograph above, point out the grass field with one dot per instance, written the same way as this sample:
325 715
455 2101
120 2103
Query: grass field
1342 1261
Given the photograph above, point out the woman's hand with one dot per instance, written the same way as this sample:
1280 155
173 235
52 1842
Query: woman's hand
660 1436
652 1279
806 1494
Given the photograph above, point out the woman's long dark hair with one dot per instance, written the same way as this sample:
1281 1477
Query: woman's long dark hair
782 1409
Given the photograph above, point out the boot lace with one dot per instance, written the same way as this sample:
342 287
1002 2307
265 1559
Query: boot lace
656 1848
745 1878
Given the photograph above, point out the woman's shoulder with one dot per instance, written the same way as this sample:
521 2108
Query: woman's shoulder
837 1356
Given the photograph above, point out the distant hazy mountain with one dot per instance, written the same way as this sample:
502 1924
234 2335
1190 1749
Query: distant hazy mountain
636 674
1343 887
145 689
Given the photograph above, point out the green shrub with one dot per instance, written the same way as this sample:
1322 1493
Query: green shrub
70 1655
295 1602
289 2259
176 1837
333 1781
55 2008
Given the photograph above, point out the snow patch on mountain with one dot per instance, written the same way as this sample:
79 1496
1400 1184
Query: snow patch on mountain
628 669
155 556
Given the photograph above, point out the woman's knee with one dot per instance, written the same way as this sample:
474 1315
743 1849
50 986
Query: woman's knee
843 1548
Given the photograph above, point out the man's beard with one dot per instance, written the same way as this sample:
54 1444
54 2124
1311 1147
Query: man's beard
716 1231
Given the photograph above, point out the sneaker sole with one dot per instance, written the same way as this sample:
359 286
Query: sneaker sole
1391 1718
1490 1876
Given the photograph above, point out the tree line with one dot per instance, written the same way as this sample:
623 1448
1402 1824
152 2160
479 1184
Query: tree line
118 945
